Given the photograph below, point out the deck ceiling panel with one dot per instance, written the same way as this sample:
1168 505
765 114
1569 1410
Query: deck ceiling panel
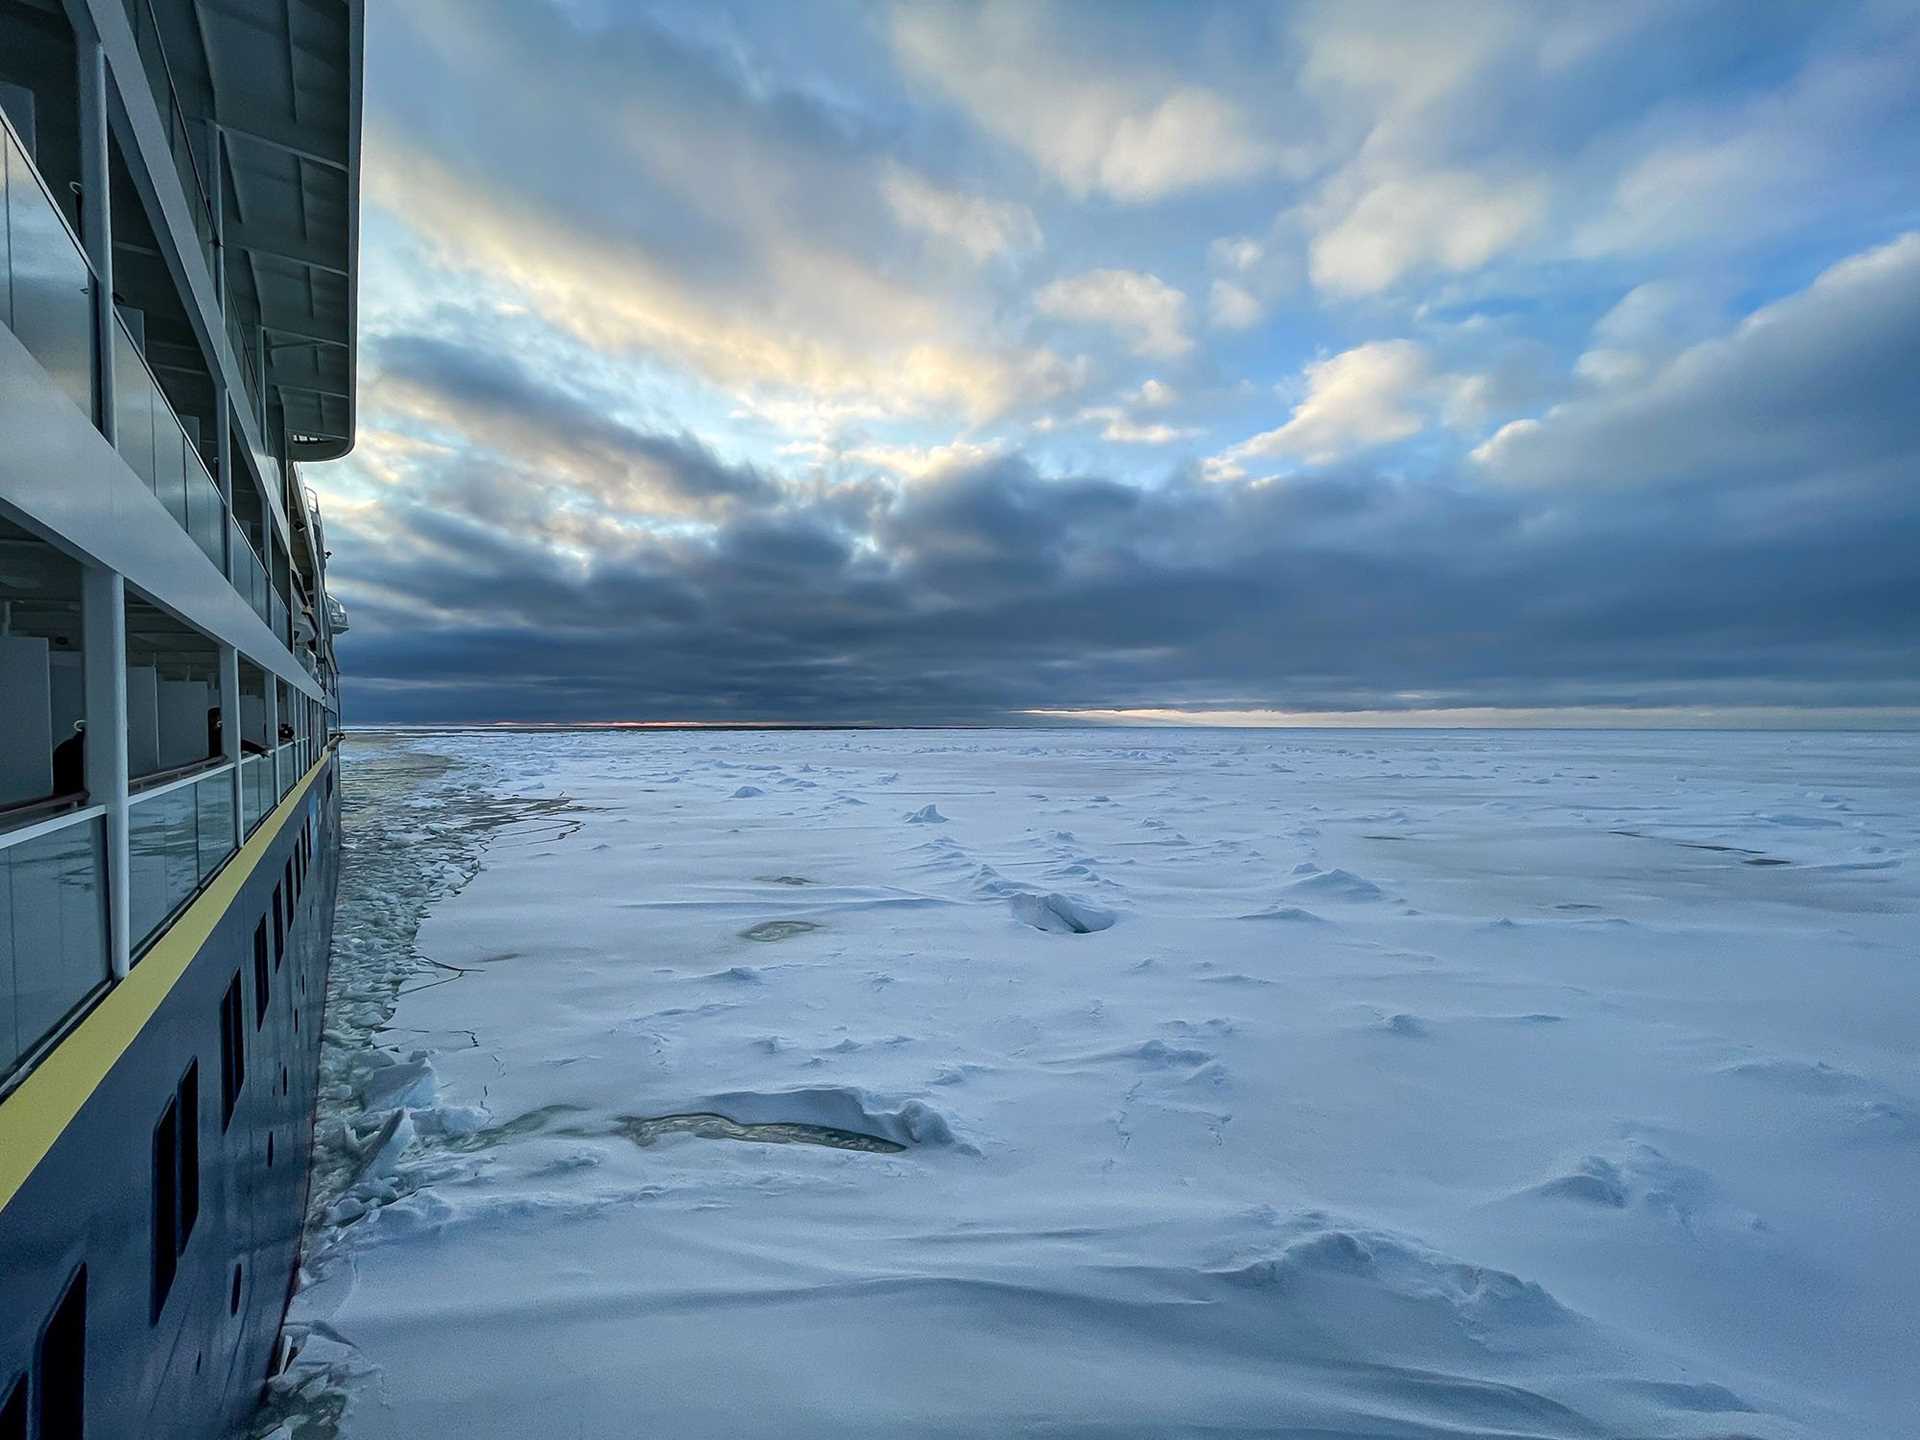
281 78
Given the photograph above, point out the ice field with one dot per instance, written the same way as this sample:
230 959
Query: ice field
1119 1083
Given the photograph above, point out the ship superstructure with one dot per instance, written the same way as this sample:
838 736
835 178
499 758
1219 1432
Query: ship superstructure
178 222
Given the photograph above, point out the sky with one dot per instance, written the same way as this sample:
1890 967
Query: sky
1018 362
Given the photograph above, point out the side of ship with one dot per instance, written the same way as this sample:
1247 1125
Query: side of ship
178 222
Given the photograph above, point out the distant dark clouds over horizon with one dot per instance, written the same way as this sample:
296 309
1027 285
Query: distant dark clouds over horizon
933 363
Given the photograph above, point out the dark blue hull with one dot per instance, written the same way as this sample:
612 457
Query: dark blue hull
147 1257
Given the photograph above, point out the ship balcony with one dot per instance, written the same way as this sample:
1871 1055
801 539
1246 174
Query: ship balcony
48 301
212 743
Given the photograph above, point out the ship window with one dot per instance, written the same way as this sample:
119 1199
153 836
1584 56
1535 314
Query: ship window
259 974
13 1414
292 895
60 1388
189 1151
233 1049
279 929
233 1295
176 1182
166 1194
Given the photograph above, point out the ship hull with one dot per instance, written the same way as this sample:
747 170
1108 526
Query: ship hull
142 1117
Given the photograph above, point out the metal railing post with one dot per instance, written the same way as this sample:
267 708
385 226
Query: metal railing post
273 735
96 219
103 629
230 723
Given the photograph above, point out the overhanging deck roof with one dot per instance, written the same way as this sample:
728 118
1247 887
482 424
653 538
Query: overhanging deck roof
281 79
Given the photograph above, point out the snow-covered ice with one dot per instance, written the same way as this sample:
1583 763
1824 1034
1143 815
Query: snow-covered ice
1119 1083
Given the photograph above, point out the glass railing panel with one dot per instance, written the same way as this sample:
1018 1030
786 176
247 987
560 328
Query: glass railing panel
213 812
240 555
243 348
6 289
249 575
258 580
133 402
257 770
50 288
206 510
169 459
53 932
163 847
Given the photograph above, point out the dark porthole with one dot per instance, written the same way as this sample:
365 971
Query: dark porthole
163 1212
233 1295
188 1209
269 1151
260 974
60 1398
233 1050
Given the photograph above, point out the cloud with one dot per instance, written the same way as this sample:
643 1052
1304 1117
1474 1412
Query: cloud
1232 307
981 228
1357 399
1695 175
1450 221
1132 131
1240 254
1513 375
1649 323
760 237
916 462
490 398
1142 309
1124 429
1807 389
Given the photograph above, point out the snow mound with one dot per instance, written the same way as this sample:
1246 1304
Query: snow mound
1406 1283
1157 1054
748 792
1333 884
1807 1077
1059 914
926 815
1291 913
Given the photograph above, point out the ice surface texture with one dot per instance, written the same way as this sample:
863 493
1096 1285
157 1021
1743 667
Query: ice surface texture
1120 1084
